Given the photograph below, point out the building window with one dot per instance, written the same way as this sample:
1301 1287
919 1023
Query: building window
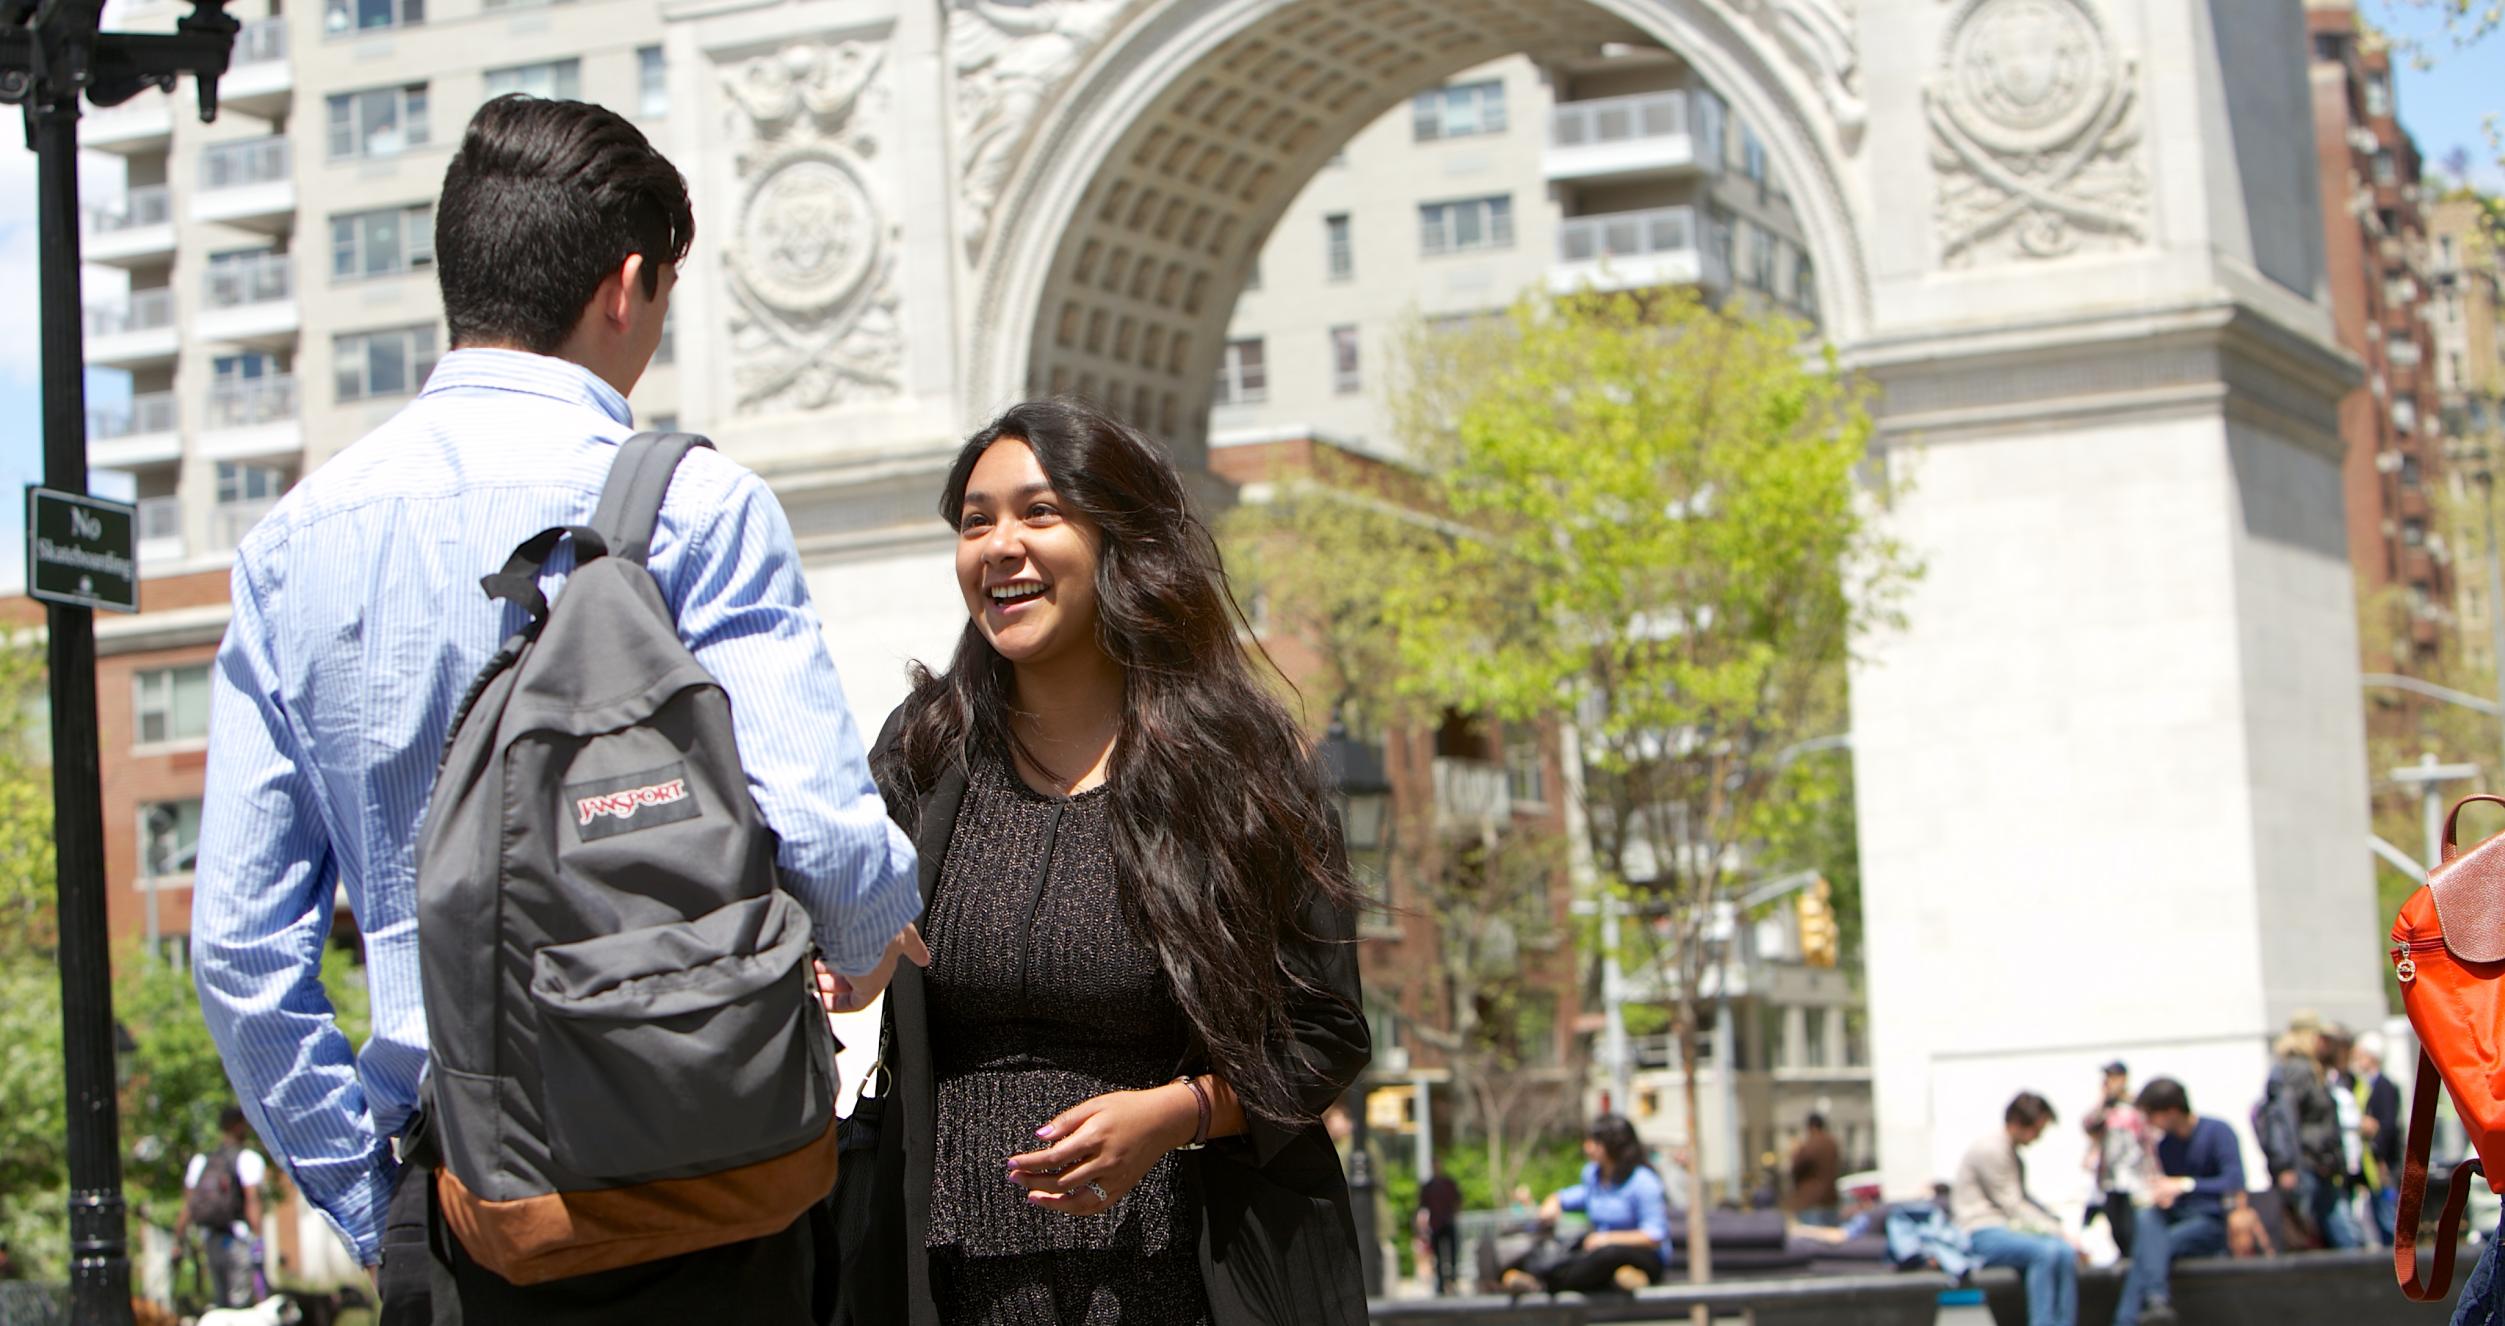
666 352
2409 472
1337 247
1526 766
169 839
381 122
1752 155
2384 173
2404 414
366 365
653 78
664 423
382 243
1344 376
170 705
1466 224
340 16
1814 1040
1459 111
554 80
2378 95
1242 376
1383 1020
237 483
2414 532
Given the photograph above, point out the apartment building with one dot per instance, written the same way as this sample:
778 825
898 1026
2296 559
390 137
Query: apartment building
2467 272
1619 169
265 284
2375 253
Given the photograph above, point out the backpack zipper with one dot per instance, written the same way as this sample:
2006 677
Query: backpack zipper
2404 966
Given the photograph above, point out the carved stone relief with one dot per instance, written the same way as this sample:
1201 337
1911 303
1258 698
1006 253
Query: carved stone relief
1818 35
1008 60
2035 135
812 257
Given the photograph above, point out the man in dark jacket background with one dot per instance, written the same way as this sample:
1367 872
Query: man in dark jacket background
2382 1130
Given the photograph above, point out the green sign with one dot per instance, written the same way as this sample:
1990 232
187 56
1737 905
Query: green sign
81 550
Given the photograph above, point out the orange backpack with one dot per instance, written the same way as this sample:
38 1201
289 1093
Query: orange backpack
2448 952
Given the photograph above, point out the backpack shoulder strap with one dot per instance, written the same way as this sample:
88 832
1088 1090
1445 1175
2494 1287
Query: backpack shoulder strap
2431 1287
630 503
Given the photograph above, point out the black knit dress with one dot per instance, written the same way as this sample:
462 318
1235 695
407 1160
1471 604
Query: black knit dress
1042 997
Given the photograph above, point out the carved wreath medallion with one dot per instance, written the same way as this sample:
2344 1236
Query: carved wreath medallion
808 233
2035 134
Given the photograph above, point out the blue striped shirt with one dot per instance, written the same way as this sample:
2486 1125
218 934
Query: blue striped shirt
358 624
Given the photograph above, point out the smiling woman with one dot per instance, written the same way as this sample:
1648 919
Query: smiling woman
1142 994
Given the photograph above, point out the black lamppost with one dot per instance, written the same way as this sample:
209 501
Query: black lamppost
51 55
1364 793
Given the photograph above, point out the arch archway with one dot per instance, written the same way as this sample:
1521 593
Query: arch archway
1148 188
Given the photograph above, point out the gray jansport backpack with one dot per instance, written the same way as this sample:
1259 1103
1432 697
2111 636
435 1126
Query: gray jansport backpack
627 1057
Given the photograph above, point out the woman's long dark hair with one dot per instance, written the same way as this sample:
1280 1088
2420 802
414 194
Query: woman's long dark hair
1222 832
1623 1152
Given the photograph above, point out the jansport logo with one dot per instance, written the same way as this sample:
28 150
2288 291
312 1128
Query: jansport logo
630 803
623 805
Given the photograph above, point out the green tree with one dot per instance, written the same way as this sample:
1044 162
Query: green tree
1662 528
1322 554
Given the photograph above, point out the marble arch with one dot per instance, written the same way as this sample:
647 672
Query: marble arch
2111 772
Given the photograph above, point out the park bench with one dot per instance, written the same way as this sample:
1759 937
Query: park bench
2294 1289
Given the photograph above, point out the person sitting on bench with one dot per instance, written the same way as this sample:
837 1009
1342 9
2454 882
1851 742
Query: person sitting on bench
2204 1180
1630 1213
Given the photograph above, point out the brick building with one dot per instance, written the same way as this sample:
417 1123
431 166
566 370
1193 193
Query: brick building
2470 384
2375 256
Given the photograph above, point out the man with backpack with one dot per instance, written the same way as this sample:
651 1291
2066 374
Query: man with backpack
222 1204
360 632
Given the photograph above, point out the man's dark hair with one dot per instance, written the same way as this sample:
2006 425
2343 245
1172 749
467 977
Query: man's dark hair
544 200
2163 1094
231 1119
2029 1109
1817 1121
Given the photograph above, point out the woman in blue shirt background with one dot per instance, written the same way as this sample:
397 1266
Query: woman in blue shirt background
1622 1196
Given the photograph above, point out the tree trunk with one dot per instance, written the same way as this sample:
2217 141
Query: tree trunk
1699 1242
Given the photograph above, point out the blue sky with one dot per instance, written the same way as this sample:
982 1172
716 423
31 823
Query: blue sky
2444 106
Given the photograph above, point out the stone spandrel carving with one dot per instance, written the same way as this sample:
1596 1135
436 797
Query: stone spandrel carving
811 259
2035 135
1009 58
1818 35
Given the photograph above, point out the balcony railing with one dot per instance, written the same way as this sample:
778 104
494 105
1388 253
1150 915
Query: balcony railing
252 161
260 279
1618 119
147 205
262 41
1470 794
145 310
149 412
1627 234
161 523
245 402
230 521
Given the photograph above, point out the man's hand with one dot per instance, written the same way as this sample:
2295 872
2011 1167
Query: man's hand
2368 1127
851 994
2287 1180
2168 1190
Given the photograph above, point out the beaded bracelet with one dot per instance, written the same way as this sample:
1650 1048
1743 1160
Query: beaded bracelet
1200 1099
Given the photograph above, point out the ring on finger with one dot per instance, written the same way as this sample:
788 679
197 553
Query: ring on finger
1099 1190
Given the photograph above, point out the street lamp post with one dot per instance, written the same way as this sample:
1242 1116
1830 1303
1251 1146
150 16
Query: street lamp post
1363 791
52 54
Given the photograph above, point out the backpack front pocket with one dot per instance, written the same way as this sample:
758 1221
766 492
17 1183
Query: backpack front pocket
684 1048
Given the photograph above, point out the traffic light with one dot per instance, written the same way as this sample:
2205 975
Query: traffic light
1819 935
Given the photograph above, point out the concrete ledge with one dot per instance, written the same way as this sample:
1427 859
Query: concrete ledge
1910 1299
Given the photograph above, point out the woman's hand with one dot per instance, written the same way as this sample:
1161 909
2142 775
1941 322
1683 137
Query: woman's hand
1101 1148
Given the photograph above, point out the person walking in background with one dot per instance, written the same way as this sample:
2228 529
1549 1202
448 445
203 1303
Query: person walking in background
2121 1156
1817 1162
358 627
2332 1053
1143 992
1621 1195
2201 1182
222 1190
2006 1225
2300 1137
1439 1219
2379 1105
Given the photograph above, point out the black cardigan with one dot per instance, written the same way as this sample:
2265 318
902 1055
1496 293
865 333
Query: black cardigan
1278 1244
